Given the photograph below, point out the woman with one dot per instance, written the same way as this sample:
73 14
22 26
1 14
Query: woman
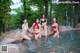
37 29
25 29
43 21
55 28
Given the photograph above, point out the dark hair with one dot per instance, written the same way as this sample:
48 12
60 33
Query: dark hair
56 22
56 19
23 17
38 19
23 21
42 16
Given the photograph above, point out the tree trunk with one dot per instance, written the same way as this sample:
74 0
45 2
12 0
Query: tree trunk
5 25
46 9
50 12
24 4
75 15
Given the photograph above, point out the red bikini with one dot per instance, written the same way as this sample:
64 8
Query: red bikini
54 27
36 26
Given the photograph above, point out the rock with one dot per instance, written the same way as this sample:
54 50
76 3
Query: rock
22 48
1 39
15 34
78 25
16 48
65 28
7 40
76 29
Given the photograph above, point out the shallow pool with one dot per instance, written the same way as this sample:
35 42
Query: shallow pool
69 42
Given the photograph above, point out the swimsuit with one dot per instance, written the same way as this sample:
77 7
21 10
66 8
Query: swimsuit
54 27
43 21
36 33
36 26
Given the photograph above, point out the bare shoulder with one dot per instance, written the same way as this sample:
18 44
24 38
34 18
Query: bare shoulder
41 18
33 23
52 24
56 23
22 24
26 23
39 24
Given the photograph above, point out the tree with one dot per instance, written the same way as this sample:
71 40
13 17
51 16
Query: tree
4 10
46 8
24 5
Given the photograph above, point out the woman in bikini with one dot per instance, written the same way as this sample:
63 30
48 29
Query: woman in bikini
43 22
25 30
55 28
37 29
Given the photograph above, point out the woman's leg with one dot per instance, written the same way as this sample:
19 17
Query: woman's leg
45 30
56 35
40 35
26 37
36 36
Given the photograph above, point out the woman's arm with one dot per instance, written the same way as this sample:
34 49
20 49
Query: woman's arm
57 26
40 27
28 30
40 21
27 25
22 27
46 21
51 29
32 27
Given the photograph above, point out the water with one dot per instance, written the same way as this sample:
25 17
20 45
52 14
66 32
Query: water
69 42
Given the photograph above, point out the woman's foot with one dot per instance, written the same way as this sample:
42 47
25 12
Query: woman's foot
29 38
54 36
46 36
58 36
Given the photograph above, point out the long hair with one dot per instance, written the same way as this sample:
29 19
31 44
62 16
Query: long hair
44 16
23 20
56 20
38 19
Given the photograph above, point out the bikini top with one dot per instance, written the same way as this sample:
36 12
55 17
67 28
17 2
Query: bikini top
43 21
36 26
54 27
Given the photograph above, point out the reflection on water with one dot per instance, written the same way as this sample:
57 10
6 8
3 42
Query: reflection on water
69 42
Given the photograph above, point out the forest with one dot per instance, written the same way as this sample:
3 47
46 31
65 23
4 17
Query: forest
67 14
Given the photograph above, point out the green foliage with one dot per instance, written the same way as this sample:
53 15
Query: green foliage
4 10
